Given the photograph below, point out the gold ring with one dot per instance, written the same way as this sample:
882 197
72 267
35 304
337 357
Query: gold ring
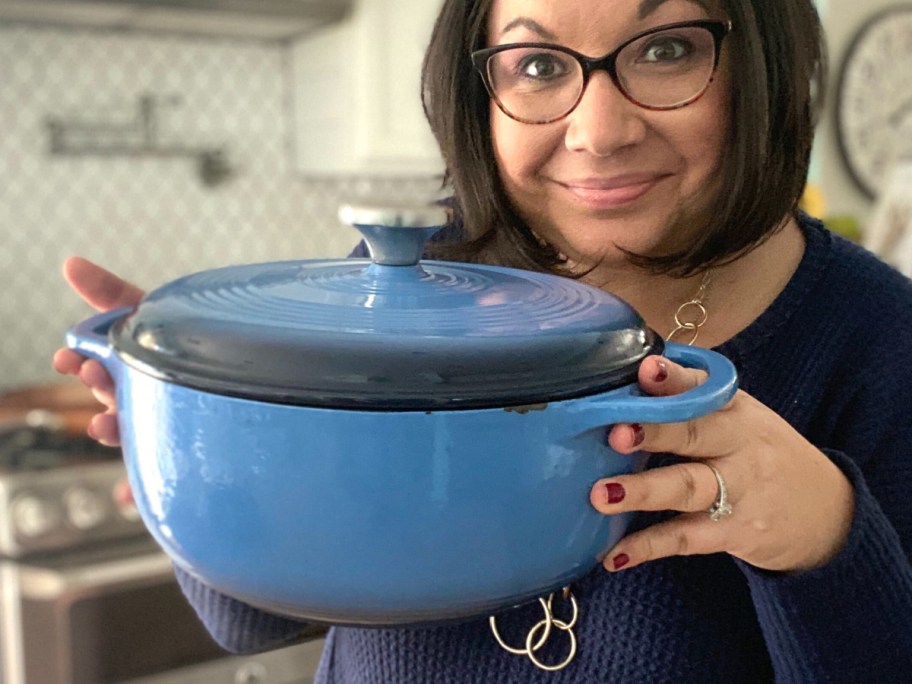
546 623
563 627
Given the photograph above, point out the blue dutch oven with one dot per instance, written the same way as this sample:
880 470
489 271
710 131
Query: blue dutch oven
383 441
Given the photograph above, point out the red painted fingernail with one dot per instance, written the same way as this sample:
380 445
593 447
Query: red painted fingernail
615 492
661 374
639 434
620 560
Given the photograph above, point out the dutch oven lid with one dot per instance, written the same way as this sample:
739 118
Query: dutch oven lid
391 332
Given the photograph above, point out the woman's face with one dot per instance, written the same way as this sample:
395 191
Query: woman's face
611 174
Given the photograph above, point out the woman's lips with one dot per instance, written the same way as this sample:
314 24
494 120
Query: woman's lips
609 193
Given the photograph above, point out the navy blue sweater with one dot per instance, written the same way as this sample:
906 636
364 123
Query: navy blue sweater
830 356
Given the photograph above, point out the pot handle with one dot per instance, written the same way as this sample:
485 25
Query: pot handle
90 338
629 405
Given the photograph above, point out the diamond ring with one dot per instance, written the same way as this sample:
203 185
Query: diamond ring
720 508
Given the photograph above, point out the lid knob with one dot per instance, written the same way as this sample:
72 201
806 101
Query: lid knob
395 234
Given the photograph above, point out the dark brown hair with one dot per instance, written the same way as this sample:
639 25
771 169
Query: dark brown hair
777 63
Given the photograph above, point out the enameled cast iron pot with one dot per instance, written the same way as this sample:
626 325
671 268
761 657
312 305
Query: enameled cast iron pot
382 442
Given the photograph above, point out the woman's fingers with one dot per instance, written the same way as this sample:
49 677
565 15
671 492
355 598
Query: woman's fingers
92 374
789 506
68 362
104 291
100 288
96 378
689 488
686 535
104 429
103 426
685 487
716 434
661 377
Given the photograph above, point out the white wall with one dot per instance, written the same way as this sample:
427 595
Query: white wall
148 218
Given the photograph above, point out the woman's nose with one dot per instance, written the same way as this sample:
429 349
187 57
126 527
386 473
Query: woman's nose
604 121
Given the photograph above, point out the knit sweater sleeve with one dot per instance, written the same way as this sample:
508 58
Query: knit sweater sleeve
238 627
851 619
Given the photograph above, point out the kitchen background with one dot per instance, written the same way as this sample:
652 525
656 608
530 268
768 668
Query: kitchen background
158 138
149 216
162 137
285 105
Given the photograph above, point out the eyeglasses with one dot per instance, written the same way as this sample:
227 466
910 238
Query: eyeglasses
667 67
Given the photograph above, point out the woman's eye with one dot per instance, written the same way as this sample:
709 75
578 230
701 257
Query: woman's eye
543 67
665 49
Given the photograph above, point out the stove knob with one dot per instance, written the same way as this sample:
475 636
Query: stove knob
33 516
85 509
251 673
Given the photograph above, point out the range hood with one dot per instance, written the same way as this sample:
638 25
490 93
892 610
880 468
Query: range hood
260 19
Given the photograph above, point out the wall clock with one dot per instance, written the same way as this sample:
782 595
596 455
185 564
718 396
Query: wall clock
874 98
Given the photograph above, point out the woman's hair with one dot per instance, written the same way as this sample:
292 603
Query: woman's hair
777 64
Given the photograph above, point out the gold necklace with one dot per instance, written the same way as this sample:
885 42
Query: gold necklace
692 315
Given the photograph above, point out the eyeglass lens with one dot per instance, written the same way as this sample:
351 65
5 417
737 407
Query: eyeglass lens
660 70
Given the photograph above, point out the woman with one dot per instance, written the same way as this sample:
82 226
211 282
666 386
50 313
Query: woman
669 170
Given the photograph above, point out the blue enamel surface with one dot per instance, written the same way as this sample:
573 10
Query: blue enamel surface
361 517
397 245
364 517
355 334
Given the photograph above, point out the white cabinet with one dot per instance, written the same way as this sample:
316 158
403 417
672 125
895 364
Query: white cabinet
357 99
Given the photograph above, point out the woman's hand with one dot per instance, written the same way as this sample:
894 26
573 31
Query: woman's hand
792 507
104 291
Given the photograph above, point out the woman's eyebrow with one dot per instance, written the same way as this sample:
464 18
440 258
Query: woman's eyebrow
647 7
532 25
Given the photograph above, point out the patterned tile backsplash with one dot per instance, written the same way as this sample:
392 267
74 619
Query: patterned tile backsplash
149 218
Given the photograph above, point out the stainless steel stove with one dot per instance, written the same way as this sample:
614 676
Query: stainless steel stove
61 493
86 596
